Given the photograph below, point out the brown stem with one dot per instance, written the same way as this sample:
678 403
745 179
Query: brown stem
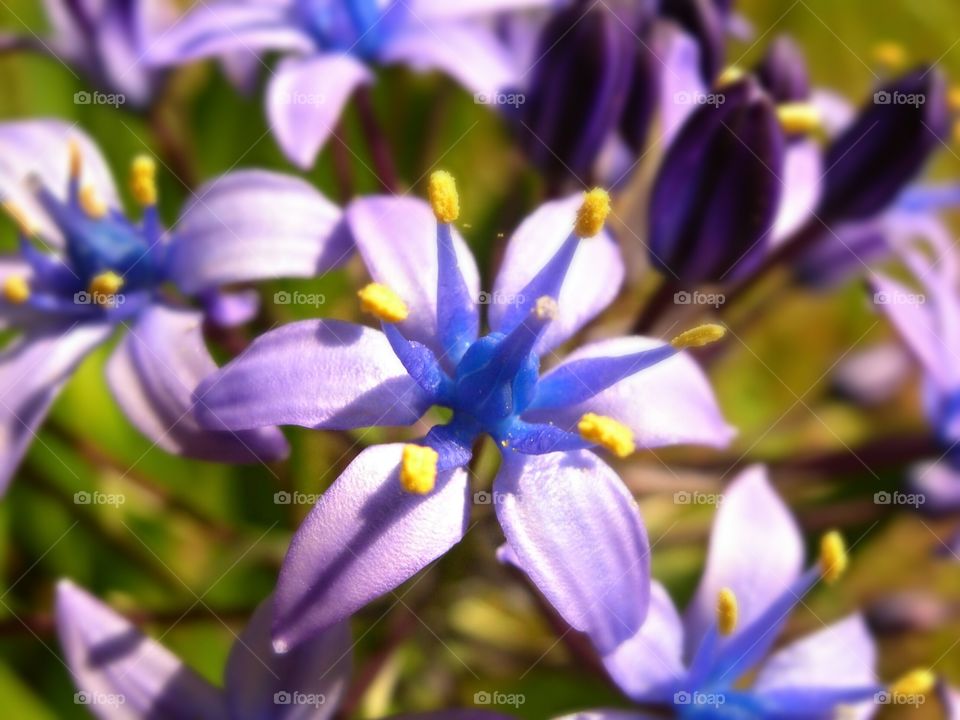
379 147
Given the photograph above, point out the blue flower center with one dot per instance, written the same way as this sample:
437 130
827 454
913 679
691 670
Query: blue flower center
359 27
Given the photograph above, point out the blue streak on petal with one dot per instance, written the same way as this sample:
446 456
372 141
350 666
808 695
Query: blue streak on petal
540 439
456 319
421 364
452 442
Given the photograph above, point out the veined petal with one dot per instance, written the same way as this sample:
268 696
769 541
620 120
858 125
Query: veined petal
397 238
315 373
153 373
305 98
678 405
257 678
592 281
124 673
756 550
577 532
255 225
365 536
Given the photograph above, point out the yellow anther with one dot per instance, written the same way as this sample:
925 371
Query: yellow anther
76 157
833 556
699 336
607 432
953 98
444 198
730 75
545 308
143 180
104 286
383 303
798 118
891 55
16 290
16 213
727 612
915 682
593 213
418 469
91 202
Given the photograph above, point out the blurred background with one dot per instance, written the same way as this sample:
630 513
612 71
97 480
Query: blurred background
189 549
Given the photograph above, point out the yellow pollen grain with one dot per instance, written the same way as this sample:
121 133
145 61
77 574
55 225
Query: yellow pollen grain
16 290
383 303
76 157
730 75
17 214
798 118
418 469
91 203
545 308
607 432
593 213
915 682
727 611
105 285
699 336
833 556
892 55
444 198
143 180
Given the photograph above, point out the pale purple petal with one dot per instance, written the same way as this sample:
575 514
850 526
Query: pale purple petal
756 550
365 537
653 657
577 532
397 238
462 8
153 373
873 376
67 38
802 170
315 373
305 98
950 698
471 54
681 85
230 309
33 369
591 284
40 148
255 225
121 673
121 56
316 673
937 485
677 406
610 715
835 111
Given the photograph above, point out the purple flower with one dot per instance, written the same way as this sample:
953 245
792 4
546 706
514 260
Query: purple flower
122 674
396 508
329 44
754 577
85 269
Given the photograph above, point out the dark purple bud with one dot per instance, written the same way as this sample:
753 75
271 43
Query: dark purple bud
641 104
783 71
705 20
716 194
885 147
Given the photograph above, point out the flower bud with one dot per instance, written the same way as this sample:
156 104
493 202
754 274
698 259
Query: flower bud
783 71
706 21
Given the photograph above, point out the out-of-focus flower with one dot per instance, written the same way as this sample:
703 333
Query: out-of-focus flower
84 270
396 508
121 674
753 579
329 44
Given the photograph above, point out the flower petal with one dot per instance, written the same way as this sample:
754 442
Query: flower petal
153 373
365 537
577 532
255 225
397 238
306 684
33 369
802 170
591 283
756 550
447 9
120 672
315 373
305 98
681 83
678 405
937 484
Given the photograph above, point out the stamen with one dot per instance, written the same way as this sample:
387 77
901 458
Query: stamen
76 158
104 286
383 303
915 682
699 336
833 556
890 54
730 75
16 290
593 213
418 469
953 98
16 213
727 612
444 198
607 432
546 308
91 203
798 118
143 180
